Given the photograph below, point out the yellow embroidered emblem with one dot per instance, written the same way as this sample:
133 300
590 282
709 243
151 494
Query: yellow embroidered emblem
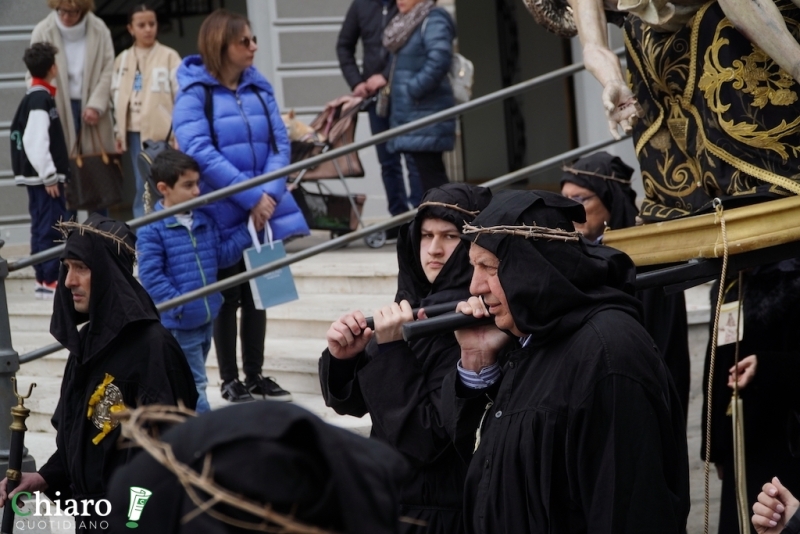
106 400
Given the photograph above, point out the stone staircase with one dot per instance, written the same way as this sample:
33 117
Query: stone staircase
329 285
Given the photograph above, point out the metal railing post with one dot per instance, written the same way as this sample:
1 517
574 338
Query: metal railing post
9 365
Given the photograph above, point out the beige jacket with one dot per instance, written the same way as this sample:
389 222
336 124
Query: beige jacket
96 90
159 90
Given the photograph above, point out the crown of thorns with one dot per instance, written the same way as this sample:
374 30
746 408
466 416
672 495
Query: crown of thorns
533 232
573 170
455 207
66 227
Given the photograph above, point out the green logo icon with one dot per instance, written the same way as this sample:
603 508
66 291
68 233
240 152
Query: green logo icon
139 498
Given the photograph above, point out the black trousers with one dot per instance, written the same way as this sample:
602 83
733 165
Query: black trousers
430 167
252 330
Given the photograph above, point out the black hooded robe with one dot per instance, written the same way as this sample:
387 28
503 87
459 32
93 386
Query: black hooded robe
664 315
124 339
400 384
583 432
770 404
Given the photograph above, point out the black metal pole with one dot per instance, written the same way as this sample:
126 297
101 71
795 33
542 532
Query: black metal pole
9 365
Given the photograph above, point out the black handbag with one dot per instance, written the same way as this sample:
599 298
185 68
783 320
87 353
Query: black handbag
95 180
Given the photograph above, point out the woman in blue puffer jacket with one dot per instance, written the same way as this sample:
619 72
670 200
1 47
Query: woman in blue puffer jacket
420 39
245 138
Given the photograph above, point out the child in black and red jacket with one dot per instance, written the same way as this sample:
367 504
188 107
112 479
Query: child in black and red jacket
40 160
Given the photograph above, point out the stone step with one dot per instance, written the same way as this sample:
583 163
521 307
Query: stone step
293 362
307 317
351 272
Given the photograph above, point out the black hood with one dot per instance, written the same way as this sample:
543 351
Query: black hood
453 280
617 196
553 287
272 453
116 299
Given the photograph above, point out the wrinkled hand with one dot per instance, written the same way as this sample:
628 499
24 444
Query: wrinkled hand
91 116
52 190
479 345
747 370
775 506
348 335
361 90
622 109
389 321
375 83
28 482
262 212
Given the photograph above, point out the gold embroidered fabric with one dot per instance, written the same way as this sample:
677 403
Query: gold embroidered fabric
721 118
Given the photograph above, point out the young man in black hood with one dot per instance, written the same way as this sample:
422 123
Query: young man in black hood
400 384
578 426
120 358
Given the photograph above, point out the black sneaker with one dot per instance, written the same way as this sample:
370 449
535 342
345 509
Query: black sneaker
266 388
235 391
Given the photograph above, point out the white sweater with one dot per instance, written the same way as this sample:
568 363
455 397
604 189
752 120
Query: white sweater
74 39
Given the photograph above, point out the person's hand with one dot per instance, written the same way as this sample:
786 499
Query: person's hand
348 336
118 145
622 108
479 345
775 506
28 482
747 370
389 321
262 212
361 90
91 116
52 190
375 83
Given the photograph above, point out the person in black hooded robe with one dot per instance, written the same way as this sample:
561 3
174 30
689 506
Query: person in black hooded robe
399 383
120 358
602 183
579 428
272 454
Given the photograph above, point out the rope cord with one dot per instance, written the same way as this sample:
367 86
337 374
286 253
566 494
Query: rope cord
740 473
719 218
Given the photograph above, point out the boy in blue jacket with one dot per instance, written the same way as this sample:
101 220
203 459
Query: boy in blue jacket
182 253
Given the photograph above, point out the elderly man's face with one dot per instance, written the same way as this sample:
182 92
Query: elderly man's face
79 282
485 283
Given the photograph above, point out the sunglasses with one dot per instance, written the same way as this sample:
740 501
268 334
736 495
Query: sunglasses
68 12
245 41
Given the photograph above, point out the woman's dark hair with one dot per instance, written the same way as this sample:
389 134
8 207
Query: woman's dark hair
170 164
220 29
138 8
39 58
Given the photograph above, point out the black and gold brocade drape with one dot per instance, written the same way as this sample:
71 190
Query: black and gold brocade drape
721 118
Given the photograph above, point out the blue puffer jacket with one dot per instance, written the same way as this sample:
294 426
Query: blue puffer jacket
173 261
244 151
420 86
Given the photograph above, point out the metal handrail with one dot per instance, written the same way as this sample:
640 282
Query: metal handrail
326 156
339 242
